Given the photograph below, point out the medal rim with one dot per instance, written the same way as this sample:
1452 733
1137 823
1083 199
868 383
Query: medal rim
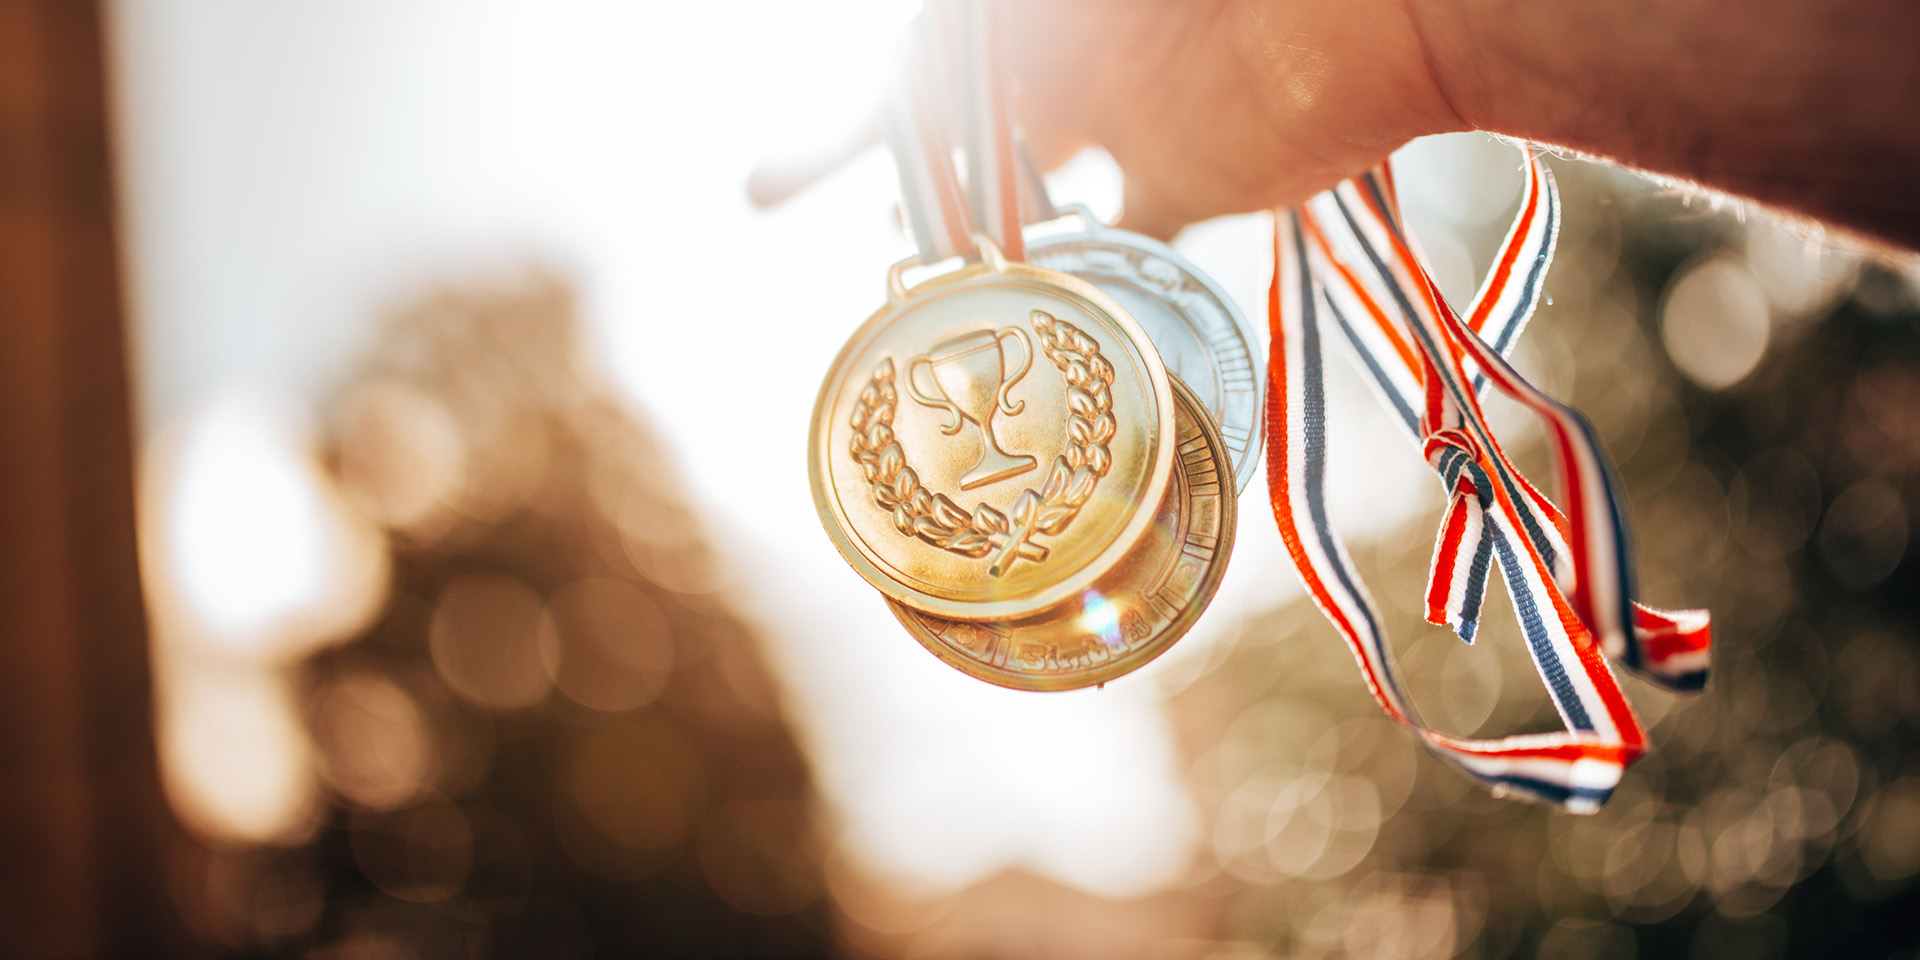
899 302
1098 234
1177 628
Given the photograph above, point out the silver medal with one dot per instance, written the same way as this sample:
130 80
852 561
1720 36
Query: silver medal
1202 336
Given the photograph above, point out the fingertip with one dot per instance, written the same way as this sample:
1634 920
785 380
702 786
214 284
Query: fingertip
1144 213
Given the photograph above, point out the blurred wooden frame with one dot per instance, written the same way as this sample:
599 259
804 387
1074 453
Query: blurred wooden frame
85 834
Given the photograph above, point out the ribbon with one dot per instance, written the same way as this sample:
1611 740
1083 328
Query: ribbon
993 176
920 134
1346 255
956 79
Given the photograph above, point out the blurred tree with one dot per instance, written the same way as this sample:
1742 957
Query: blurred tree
557 740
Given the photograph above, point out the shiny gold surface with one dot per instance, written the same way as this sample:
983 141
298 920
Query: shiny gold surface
990 443
1134 613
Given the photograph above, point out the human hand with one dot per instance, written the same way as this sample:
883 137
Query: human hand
1209 106
1224 106
1213 107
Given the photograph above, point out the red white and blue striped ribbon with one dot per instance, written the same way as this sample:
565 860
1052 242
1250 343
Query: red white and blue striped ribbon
956 80
1669 648
1036 206
1346 255
984 96
920 134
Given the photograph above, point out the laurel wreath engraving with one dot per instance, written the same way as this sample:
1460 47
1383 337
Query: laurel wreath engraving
936 519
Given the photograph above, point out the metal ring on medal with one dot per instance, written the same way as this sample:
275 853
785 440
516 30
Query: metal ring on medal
1132 615
989 443
1202 336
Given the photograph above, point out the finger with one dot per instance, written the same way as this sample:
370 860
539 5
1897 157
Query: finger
1148 211
784 175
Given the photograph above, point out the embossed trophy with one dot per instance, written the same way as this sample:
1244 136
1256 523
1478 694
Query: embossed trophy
969 372
1097 415
1134 613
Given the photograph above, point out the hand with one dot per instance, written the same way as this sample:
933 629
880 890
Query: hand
1224 106
1210 106
1220 106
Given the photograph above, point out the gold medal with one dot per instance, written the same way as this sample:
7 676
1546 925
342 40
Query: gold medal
1137 610
992 442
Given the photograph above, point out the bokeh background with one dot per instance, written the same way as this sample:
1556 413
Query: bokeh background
487 613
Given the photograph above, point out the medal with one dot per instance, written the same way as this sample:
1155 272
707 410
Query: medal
999 449
991 442
1138 610
1203 337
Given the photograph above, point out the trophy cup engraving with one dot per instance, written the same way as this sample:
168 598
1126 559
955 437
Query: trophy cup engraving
888 457
970 384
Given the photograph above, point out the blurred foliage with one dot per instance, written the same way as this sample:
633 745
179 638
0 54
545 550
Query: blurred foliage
556 741
1779 813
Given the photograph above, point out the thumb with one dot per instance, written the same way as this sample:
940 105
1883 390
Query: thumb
1146 210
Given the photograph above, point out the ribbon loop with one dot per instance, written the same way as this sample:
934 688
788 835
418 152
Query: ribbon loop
1344 255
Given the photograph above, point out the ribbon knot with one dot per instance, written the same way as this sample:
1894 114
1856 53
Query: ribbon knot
1463 548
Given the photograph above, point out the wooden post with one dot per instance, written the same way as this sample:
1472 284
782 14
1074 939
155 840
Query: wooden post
84 829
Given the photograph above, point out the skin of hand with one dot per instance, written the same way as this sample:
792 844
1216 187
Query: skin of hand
1221 106
1808 106
1226 106
1210 107
1213 107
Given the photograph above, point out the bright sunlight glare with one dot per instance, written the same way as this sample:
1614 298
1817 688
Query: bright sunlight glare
247 524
